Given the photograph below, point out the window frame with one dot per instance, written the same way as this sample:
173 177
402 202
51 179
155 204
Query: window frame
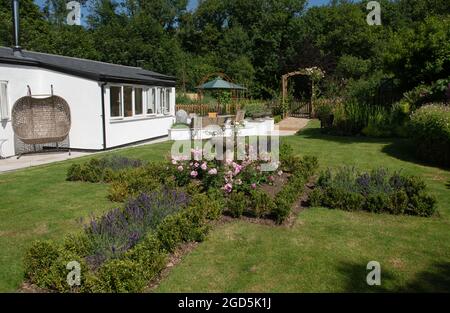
121 115
142 101
151 96
159 101
5 107
168 94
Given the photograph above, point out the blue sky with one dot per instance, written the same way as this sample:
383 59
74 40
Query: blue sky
191 6
193 3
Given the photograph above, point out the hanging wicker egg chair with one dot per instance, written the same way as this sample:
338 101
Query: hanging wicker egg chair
41 120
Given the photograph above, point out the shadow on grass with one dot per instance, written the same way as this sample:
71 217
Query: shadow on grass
435 279
318 133
399 148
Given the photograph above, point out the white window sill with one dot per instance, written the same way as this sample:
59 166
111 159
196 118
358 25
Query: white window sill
138 118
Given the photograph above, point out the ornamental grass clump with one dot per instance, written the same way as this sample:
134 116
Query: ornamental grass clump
377 191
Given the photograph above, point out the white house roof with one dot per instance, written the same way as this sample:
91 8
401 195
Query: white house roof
94 70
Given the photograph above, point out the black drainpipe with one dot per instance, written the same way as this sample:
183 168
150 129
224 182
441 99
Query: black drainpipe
103 114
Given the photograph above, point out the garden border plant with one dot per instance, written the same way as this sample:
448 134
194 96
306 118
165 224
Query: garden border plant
123 250
377 191
241 181
131 271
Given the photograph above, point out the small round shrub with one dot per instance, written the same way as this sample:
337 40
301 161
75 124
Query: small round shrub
315 198
430 130
38 260
261 203
237 203
120 276
80 244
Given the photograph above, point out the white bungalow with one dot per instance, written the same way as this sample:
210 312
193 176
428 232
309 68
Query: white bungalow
110 105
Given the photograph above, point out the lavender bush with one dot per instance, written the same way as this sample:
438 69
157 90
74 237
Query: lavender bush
101 170
121 229
116 162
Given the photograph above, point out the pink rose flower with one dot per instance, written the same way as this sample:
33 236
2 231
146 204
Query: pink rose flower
204 166
212 171
253 186
196 165
228 187
180 168
194 174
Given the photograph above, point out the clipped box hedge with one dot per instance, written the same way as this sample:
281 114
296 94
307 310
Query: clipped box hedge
259 204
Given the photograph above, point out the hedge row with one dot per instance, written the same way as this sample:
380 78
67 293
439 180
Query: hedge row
46 261
101 170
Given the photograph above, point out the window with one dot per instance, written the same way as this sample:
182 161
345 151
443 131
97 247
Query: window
116 101
151 101
138 101
162 101
167 103
4 107
128 101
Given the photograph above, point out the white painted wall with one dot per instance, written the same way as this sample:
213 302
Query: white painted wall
84 99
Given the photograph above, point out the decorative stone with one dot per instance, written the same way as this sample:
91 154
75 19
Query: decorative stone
181 116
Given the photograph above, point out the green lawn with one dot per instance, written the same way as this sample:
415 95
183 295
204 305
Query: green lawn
39 203
326 250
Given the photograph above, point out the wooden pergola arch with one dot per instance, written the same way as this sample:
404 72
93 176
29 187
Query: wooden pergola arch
284 86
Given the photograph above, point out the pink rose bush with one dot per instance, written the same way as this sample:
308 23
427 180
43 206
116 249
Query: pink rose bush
230 175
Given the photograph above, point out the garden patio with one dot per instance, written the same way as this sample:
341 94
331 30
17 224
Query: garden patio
324 250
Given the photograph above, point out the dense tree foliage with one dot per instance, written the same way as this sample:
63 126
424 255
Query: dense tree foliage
253 41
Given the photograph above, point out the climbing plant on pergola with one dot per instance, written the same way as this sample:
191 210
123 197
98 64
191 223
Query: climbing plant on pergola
314 73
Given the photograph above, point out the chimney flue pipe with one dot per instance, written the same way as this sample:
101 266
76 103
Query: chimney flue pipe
16 23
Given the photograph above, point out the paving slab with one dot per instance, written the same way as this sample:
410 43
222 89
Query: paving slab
35 159
291 125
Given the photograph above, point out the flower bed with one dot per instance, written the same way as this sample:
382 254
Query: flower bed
378 191
242 182
167 204
124 249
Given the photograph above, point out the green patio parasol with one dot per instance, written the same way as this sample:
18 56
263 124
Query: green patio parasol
220 84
